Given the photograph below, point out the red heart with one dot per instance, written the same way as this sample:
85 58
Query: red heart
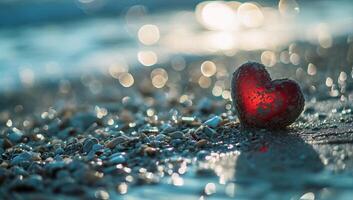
263 103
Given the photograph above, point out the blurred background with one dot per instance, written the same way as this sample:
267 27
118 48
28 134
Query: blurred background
309 41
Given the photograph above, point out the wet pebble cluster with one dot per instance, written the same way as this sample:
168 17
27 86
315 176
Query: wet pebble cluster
99 151
96 152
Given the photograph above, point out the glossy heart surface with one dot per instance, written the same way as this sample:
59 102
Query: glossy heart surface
263 103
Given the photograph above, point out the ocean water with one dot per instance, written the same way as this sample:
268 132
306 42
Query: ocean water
49 39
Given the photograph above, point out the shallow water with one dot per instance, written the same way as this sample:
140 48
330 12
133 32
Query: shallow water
91 45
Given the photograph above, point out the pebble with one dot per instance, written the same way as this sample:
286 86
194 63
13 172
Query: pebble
33 182
72 148
6 143
117 159
201 143
22 158
168 129
59 151
16 170
177 135
177 142
24 185
209 131
88 144
150 130
213 122
54 166
188 119
150 151
15 135
115 141
97 147
25 147
161 137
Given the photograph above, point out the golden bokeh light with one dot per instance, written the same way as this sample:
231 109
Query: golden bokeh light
216 15
116 69
268 58
250 15
208 68
147 58
159 77
217 91
126 79
148 34
226 94
158 81
204 82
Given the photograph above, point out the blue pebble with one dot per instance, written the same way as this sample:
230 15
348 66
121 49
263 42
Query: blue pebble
117 159
22 157
15 135
213 122
59 151
97 147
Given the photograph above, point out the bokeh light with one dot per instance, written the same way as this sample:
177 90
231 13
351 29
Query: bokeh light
148 34
216 15
126 79
116 69
288 7
204 82
208 68
147 58
329 82
250 15
27 77
159 77
311 69
268 58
